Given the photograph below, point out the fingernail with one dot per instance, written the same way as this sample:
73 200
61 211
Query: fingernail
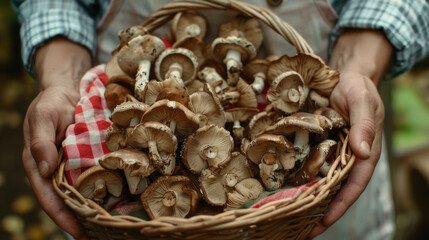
43 168
365 149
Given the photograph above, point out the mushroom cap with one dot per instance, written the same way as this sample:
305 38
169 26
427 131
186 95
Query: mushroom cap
247 95
312 123
117 88
115 137
146 132
125 35
337 120
257 65
175 93
126 111
133 159
207 103
240 114
283 82
246 190
215 184
259 122
193 44
169 196
86 182
153 88
314 162
135 165
182 21
210 140
182 56
263 143
142 47
243 27
194 86
165 111
315 73
221 46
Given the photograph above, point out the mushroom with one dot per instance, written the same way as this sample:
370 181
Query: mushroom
153 88
96 182
135 164
215 184
182 121
233 51
211 76
256 70
175 93
275 156
188 23
209 146
246 190
314 162
128 114
302 124
117 88
315 73
315 101
169 196
207 103
238 115
157 138
259 122
243 27
287 92
247 95
337 120
193 44
115 137
136 57
194 86
177 63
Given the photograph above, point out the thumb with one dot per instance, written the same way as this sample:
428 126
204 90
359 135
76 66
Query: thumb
363 125
41 140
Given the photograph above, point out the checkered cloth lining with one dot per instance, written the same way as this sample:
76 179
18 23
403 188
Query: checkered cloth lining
84 143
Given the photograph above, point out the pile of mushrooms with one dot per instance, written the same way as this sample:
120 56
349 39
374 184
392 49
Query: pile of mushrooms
186 123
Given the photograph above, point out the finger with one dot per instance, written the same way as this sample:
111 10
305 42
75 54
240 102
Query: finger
362 122
40 132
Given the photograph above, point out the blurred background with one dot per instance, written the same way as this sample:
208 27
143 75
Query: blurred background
407 132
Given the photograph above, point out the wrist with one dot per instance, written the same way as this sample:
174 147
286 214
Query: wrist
61 62
365 52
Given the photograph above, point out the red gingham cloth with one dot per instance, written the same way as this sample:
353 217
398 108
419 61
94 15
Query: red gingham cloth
84 142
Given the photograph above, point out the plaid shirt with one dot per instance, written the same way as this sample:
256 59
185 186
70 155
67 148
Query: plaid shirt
404 22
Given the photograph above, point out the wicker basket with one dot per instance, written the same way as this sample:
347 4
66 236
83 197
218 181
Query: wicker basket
281 219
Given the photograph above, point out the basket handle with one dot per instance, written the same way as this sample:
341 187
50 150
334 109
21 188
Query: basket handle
167 12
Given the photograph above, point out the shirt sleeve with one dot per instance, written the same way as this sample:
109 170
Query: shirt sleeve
405 23
42 20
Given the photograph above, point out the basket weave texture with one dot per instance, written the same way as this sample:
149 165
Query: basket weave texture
282 219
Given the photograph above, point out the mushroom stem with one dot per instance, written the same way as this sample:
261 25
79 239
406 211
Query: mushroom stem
169 199
290 95
154 154
99 189
231 179
175 71
142 78
269 158
173 125
301 146
134 121
238 130
233 66
209 153
136 183
193 29
258 82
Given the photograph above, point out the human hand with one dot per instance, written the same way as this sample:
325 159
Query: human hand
361 57
59 65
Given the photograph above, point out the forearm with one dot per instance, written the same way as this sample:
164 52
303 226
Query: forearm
61 62
366 52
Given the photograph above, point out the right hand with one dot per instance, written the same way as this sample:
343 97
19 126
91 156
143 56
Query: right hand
60 64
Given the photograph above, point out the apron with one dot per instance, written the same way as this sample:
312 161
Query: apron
371 216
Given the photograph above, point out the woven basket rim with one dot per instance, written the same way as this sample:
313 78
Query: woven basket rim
318 193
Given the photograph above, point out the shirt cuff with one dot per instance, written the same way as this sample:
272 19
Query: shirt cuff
405 25
43 25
